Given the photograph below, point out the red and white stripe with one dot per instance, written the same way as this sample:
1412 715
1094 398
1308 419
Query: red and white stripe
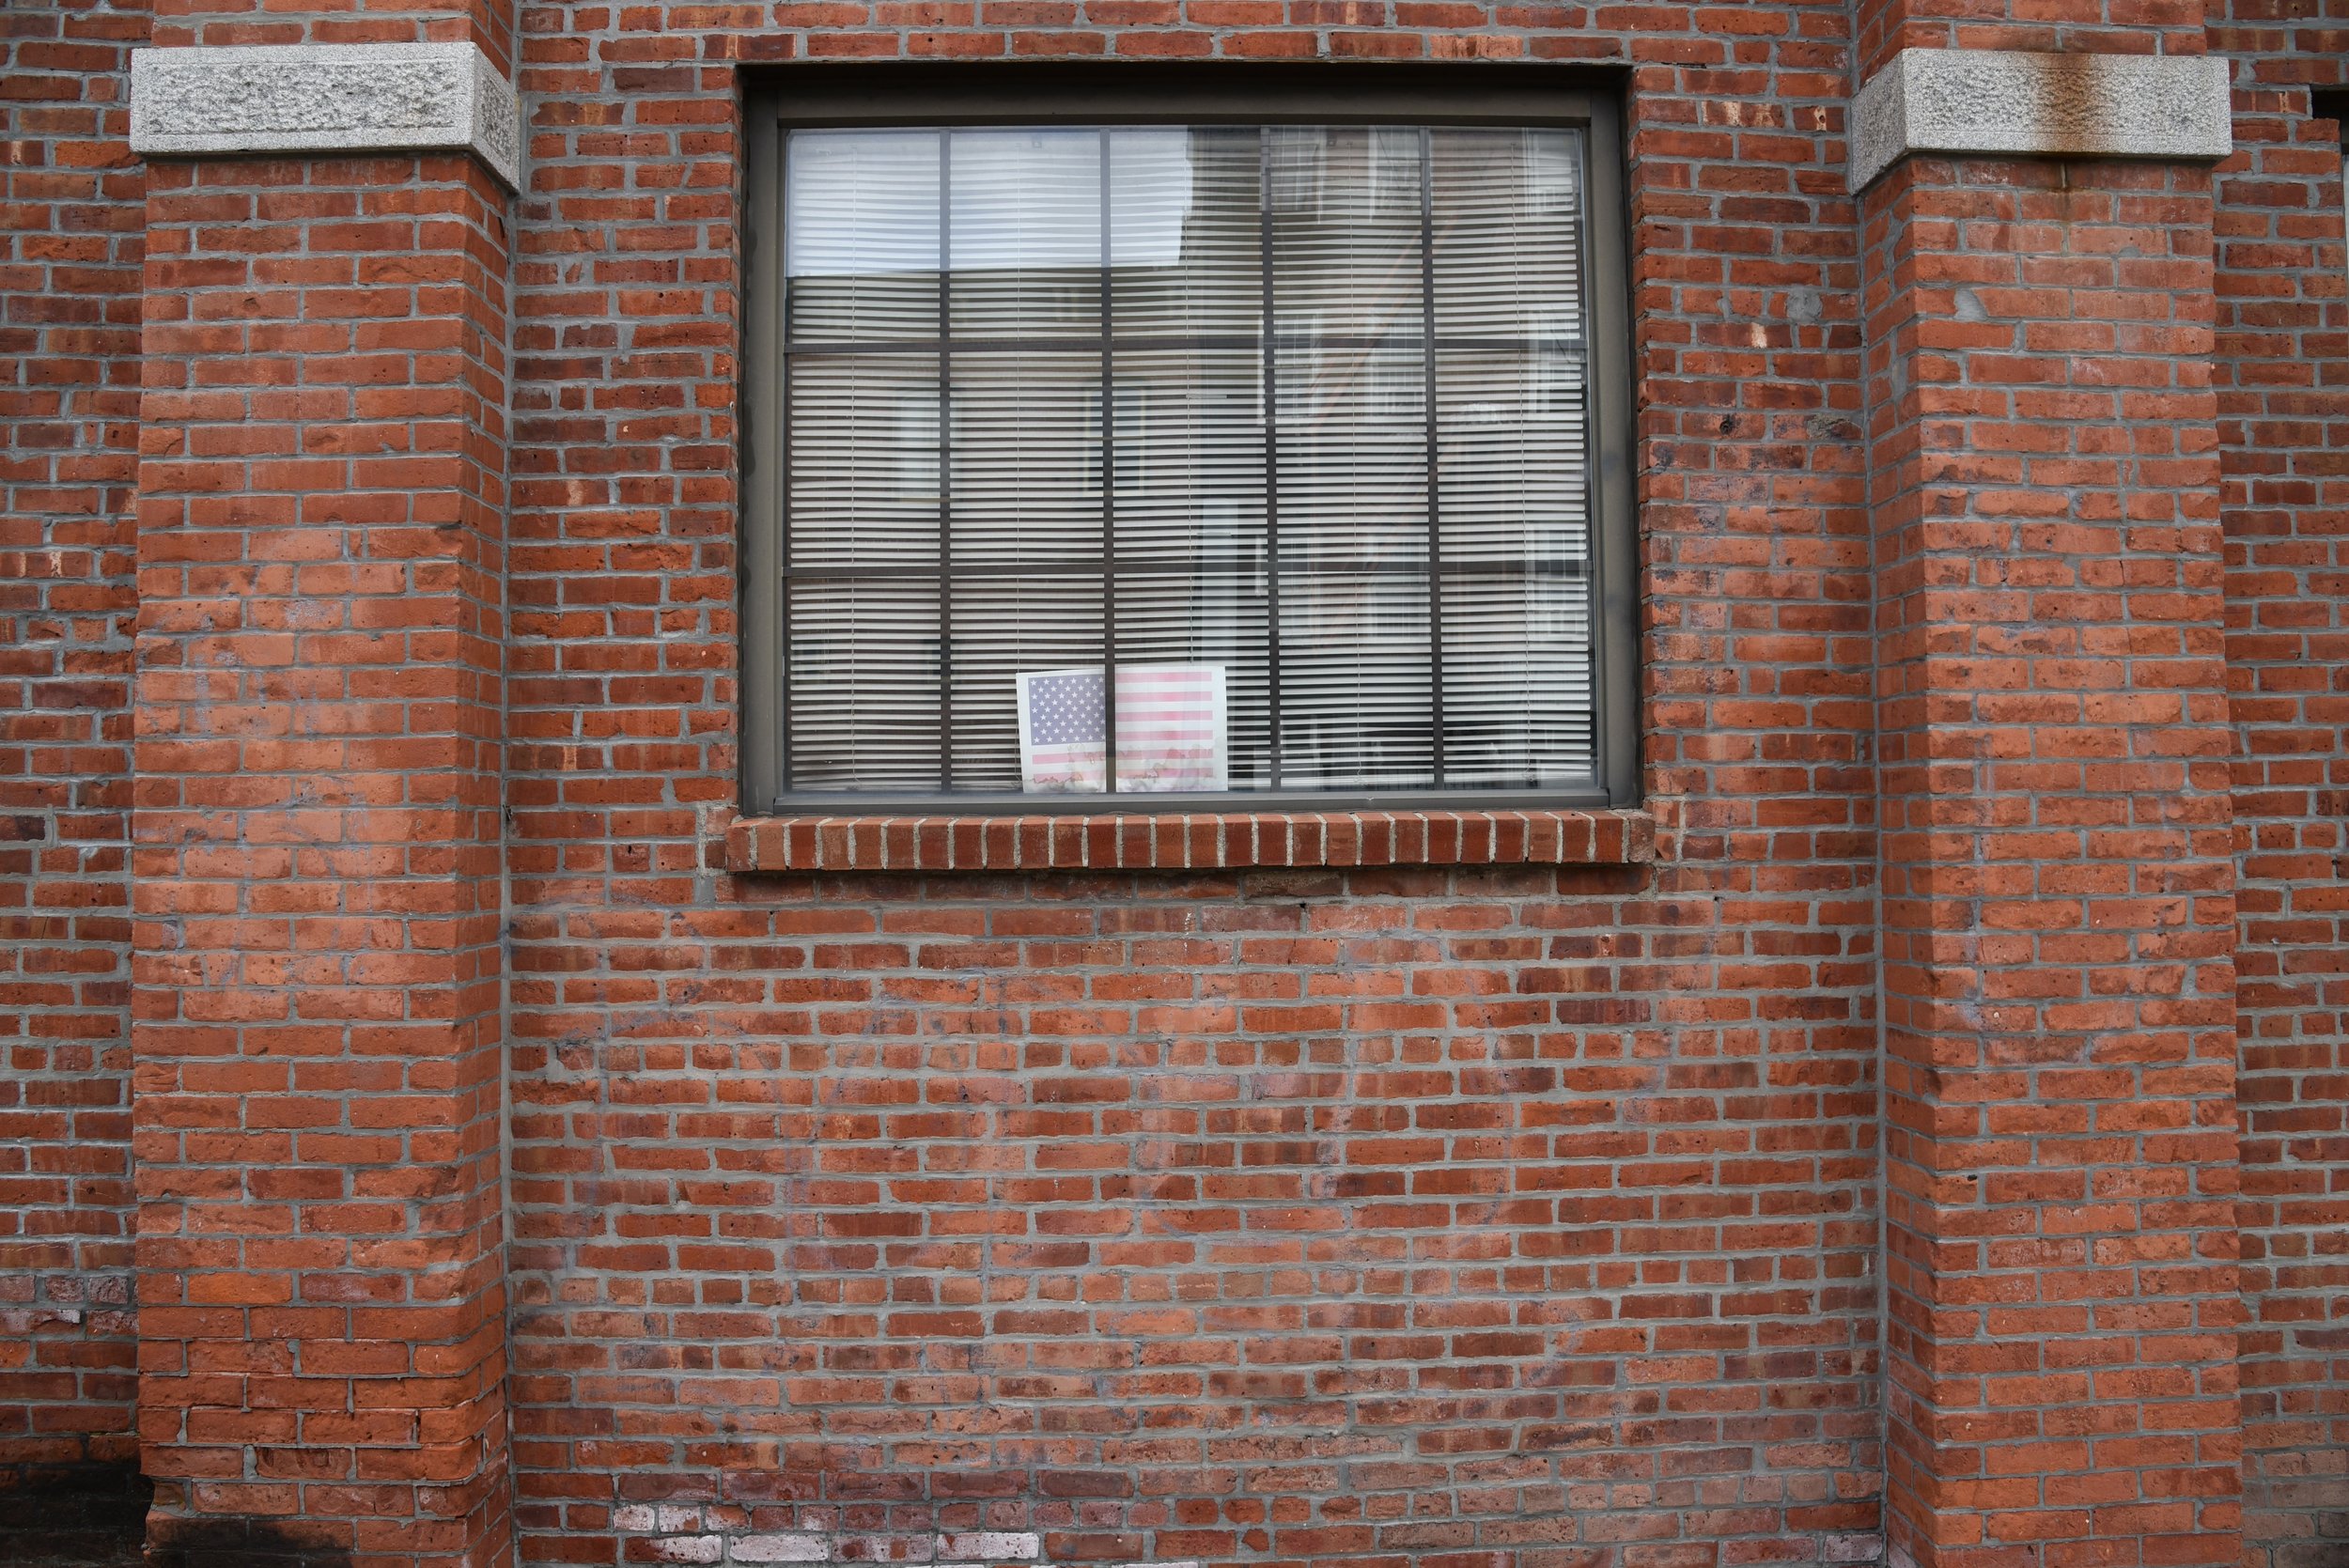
1170 728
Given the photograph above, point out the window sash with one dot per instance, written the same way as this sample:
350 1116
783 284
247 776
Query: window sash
1443 580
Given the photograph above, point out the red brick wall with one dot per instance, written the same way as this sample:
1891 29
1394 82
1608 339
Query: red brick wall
489 24
2143 27
1449 1217
2283 395
1514 1216
1318 1215
71 233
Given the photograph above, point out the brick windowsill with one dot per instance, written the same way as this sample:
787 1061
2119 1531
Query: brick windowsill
1190 841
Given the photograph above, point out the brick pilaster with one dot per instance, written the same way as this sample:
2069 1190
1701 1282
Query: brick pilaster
70 194
317 861
2057 878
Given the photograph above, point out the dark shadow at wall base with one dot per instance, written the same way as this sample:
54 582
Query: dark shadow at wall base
95 1517
73 1516
239 1543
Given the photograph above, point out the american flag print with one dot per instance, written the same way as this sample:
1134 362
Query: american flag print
1171 729
1060 731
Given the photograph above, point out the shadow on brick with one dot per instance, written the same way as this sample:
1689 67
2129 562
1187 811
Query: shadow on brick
241 1542
91 1515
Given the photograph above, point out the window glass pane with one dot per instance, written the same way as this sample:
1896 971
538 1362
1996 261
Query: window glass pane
1024 234
1346 230
1026 462
860 235
1006 627
1352 442
1517 680
1186 232
1357 699
864 459
1190 455
1509 429
1507 234
863 697
1193 621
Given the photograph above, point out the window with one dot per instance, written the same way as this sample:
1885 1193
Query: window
2334 105
1147 453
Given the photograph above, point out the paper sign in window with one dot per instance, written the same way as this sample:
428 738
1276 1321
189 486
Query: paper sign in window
1172 730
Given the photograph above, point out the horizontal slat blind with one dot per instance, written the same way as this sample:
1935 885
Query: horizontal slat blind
864 454
1304 406
867 709
861 236
1024 235
1505 288
1025 458
1002 625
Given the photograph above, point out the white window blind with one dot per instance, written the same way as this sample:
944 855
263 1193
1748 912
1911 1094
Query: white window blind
1287 424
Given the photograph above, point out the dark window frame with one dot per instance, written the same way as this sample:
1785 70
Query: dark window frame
1092 93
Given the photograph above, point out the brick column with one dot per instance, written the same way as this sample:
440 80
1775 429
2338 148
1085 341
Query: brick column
69 429
317 861
2057 873
2283 401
